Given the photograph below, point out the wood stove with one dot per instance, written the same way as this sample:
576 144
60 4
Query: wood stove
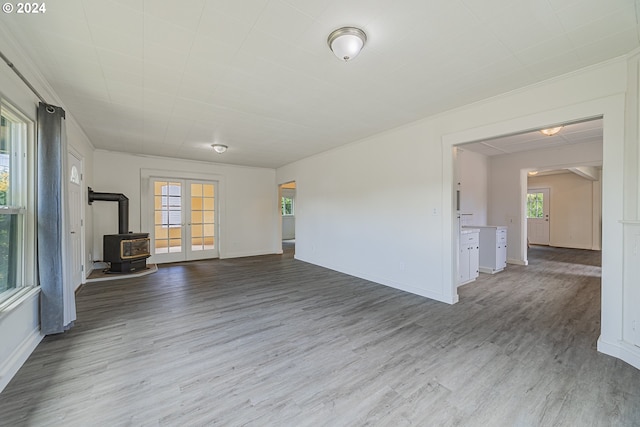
126 252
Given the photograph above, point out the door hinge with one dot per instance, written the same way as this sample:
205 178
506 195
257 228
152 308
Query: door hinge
82 267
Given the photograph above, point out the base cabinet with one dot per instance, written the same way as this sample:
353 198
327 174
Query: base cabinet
468 256
493 248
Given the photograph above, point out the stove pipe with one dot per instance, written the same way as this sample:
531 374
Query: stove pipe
123 207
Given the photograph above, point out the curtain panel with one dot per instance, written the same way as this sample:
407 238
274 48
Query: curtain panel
57 299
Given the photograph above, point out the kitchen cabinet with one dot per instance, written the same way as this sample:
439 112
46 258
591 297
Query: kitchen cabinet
468 255
493 248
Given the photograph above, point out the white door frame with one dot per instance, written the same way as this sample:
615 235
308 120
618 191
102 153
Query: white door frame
611 108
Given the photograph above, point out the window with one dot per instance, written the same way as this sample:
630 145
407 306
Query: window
287 206
171 207
14 199
168 216
535 205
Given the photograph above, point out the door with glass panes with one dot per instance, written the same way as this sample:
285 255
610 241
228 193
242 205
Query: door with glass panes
185 220
538 216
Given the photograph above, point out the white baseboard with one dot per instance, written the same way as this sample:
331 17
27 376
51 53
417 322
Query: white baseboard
517 261
387 282
20 355
621 350
488 270
247 254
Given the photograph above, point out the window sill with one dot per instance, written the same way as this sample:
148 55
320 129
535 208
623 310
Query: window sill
17 298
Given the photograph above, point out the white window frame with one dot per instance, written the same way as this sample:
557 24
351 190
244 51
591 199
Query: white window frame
293 204
22 183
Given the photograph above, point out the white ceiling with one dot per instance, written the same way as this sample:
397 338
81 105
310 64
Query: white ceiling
575 133
169 77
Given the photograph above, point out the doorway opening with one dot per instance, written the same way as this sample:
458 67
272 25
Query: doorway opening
287 201
509 181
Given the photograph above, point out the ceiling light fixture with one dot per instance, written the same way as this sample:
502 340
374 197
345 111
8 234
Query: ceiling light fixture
551 131
219 148
347 42
533 173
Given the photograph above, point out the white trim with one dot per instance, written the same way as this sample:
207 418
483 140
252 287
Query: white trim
620 350
17 298
20 355
10 366
518 261
378 280
228 255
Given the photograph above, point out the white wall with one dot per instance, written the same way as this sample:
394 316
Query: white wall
247 200
289 221
508 187
574 210
368 210
20 321
395 223
474 177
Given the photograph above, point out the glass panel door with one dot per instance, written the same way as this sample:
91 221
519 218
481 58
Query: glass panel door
185 220
202 226
168 225
538 230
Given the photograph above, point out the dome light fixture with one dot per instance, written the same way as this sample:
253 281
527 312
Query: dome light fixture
219 148
551 131
347 42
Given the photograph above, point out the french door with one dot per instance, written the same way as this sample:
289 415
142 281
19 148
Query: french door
185 220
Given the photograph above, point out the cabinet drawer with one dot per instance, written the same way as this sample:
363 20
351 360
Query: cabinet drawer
469 238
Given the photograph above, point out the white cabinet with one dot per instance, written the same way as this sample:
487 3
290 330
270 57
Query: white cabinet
468 255
493 248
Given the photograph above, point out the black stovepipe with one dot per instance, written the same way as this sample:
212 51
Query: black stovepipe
123 207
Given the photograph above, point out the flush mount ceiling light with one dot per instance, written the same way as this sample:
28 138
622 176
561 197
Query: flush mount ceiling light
219 148
533 173
551 131
347 42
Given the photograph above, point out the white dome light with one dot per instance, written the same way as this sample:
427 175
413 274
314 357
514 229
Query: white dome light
219 148
347 42
551 131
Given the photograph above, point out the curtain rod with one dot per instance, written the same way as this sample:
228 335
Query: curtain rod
23 78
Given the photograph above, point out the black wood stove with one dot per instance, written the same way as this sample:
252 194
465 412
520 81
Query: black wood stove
125 251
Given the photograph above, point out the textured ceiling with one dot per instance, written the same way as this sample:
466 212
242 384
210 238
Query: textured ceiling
574 133
172 77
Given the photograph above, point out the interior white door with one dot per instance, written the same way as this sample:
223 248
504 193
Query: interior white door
75 218
538 216
185 220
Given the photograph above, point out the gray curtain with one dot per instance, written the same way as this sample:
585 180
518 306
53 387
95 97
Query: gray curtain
57 299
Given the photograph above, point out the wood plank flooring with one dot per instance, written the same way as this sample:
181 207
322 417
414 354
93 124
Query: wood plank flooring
271 341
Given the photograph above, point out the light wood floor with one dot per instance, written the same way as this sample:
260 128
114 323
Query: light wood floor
271 341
